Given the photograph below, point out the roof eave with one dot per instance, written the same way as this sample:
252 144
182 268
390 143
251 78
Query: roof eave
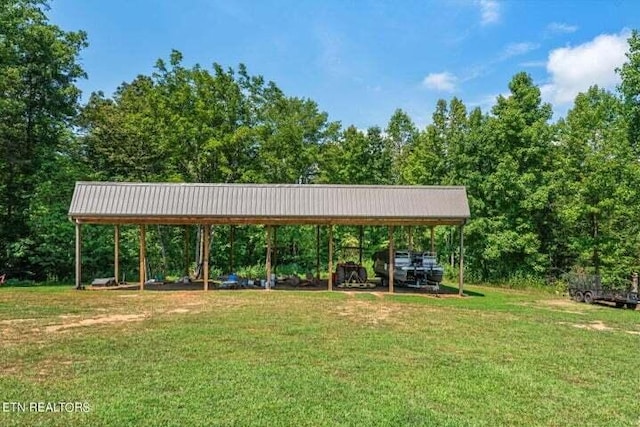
265 220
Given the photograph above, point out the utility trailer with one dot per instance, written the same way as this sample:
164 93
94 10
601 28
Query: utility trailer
589 289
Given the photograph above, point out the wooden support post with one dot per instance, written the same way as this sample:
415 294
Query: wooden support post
143 256
392 259
187 246
274 258
317 252
78 256
267 285
461 272
330 262
200 252
410 238
116 253
232 238
361 243
205 261
433 244
451 243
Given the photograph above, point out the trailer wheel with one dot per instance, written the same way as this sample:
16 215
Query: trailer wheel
340 275
579 296
588 298
619 304
631 305
362 273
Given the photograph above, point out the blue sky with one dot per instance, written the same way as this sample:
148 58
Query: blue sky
360 60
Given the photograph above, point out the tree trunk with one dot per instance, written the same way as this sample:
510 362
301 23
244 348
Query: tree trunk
596 244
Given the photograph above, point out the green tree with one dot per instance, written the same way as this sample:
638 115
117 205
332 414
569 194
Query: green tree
38 99
202 121
122 134
379 158
513 217
49 247
458 137
424 154
290 135
401 133
599 185
356 158
630 89
431 158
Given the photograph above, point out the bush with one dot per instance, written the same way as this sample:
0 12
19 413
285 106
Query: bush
257 271
19 283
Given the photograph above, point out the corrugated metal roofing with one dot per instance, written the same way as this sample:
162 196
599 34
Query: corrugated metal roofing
109 202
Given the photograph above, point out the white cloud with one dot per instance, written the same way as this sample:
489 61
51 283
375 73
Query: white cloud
575 69
489 11
445 82
561 28
516 49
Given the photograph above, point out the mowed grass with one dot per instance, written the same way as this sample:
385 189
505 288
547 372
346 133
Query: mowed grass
315 358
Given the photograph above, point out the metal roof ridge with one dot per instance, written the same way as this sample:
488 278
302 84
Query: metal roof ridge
267 185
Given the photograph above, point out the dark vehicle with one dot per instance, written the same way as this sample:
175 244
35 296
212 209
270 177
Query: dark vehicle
411 269
589 289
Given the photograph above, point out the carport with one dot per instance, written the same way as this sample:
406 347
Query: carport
143 204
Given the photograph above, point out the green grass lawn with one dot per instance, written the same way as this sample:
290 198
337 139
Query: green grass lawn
315 358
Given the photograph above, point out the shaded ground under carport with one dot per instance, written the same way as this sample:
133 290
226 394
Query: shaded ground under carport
445 290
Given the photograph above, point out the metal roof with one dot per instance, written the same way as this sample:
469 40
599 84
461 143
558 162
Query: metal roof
170 203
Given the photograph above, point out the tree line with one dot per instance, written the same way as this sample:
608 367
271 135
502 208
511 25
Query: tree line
547 196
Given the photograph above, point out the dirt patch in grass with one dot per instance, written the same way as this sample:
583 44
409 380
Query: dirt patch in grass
102 320
596 325
187 297
562 305
6 334
112 309
39 371
15 321
362 311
